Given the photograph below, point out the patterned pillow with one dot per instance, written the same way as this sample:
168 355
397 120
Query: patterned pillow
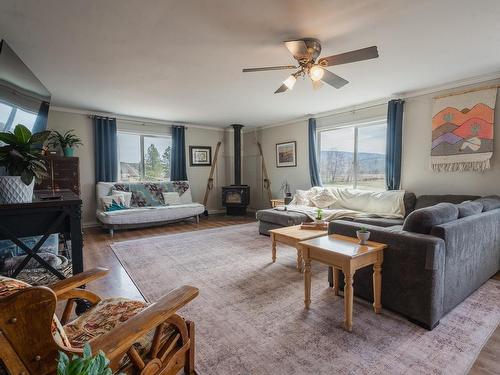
324 198
113 202
127 196
10 286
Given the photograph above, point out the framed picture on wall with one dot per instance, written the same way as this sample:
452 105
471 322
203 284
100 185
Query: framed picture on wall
200 156
286 154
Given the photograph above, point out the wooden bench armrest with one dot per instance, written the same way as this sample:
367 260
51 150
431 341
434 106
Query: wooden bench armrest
117 342
62 286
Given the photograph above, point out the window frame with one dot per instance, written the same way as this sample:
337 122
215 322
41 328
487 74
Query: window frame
141 147
356 125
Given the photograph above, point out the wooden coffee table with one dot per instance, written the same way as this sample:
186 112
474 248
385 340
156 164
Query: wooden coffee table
347 255
292 236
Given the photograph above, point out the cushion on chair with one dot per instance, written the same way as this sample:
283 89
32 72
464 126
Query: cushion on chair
106 316
10 286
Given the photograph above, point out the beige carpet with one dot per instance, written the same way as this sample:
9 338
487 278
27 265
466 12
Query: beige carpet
250 316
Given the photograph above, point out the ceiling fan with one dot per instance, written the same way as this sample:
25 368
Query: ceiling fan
306 51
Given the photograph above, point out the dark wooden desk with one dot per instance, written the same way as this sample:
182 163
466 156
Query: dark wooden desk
43 218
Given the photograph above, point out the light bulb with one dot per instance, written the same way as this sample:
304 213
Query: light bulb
290 82
316 73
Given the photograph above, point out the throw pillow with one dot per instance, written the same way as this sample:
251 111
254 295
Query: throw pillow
324 198
171 198
127 196
490 202
113 203
302 198
469 208
423 219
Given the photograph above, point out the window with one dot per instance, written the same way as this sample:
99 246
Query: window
354 156
143 157
10 116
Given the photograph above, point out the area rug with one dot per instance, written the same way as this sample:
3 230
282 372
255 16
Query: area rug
250 316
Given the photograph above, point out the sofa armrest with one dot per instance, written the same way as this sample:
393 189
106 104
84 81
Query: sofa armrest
412 271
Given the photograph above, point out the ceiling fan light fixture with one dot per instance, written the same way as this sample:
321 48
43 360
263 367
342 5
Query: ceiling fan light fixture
290 82
316 73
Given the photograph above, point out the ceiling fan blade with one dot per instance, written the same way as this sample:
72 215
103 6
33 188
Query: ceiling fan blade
316 85
298 49
349 57
282 88
266 68
333 79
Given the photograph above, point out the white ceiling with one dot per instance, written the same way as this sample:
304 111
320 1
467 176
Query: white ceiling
182 60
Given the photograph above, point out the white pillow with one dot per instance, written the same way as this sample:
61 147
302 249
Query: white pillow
171 198
127 196
113 203
302 198
324 198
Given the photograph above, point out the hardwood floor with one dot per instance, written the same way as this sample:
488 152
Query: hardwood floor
98 253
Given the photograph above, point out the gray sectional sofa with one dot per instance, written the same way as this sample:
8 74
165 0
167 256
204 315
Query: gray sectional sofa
435 260
436 257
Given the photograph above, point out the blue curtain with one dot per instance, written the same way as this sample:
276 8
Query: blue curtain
394 144
313 159
106 154
178 154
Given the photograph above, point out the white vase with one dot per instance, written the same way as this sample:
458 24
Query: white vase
13 190
362 237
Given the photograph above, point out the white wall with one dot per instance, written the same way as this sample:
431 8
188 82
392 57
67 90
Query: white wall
417 175
82 125
197 176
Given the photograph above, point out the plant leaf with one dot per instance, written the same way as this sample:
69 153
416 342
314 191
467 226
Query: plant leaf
22 133
87 351
40 137
8 138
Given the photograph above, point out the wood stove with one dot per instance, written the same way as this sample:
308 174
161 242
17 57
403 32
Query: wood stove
236 197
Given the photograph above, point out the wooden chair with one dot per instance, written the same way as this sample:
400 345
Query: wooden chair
136 337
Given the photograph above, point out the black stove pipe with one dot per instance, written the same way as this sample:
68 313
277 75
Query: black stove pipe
237 153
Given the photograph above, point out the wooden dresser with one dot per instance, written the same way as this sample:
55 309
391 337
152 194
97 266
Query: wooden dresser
63 173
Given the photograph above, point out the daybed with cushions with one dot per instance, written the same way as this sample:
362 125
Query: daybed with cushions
439 256
122 205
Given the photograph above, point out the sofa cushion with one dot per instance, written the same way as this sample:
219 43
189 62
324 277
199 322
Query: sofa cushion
469 208
127 196
324 198
378 221
409 200
156 214
281 217
302 198
150 194
431 200
491 202
423 219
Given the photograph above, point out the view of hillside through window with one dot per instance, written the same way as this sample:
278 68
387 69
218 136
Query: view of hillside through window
143 157
354 156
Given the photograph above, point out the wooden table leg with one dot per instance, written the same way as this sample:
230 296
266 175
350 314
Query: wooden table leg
307 278
299 260
377 285
336 277
273 251
348 298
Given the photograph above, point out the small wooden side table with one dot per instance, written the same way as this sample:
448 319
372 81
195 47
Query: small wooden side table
292 236
277 202
347 255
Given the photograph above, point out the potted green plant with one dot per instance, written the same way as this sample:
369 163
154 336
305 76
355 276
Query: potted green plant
86 365
20 156
363 235
319 216
66 141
